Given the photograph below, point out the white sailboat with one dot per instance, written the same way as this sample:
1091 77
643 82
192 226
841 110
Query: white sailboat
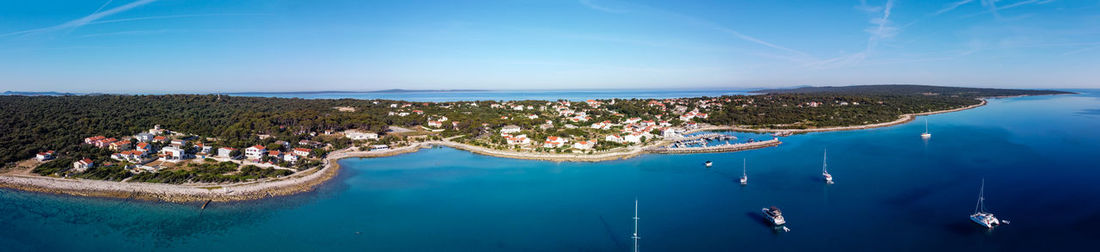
744 173
635 236
981 216
824 168
926 135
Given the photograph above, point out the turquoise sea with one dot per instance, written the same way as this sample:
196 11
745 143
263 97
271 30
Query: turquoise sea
1039 156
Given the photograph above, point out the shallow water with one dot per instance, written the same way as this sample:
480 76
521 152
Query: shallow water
1039 155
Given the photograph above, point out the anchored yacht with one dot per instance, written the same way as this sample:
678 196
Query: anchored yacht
824 170
926 135
981 216
773 215
744 173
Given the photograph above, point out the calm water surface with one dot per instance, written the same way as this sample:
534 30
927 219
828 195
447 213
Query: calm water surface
894 192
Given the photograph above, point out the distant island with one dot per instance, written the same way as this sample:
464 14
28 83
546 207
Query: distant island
359 92
216 147
35 93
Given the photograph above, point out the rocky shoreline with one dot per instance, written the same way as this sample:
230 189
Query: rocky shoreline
310 179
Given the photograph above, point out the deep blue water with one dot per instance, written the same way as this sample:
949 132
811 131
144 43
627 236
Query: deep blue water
894 192
500 95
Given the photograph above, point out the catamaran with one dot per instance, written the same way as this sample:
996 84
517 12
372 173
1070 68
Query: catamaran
980 216
744 173
824 170
635 236
773 215
926 135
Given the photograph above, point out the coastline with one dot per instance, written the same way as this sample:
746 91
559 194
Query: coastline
905 118
309 180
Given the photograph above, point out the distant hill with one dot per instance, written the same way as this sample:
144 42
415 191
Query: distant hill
911 89
36 93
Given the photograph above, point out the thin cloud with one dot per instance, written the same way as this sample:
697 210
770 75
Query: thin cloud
698 22
882 28
594 6
77 23
951 7
173 16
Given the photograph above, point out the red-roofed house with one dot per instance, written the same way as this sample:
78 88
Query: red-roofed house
255 152
554 142
43 156
302 152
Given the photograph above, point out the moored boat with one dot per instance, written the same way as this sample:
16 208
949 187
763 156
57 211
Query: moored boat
981 216
824 168
744 173
773 215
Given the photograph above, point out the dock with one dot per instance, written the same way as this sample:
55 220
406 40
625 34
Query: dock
716 148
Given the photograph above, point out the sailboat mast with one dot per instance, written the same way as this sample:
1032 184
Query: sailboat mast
925 125
744 172
825 161
981 197
635 236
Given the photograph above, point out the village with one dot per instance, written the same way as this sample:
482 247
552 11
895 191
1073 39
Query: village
533 127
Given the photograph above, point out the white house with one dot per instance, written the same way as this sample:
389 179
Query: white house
435 124
83 165
584 145
356 135
602 125
43 156
508 129
255 152
172 153
225 152
554 142
290 158
520 139
614 138
637 137
144 137
379 147
670 133
302 152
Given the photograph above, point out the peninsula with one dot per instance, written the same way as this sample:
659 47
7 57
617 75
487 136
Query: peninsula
184 148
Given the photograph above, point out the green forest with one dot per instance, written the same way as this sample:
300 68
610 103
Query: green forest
31 124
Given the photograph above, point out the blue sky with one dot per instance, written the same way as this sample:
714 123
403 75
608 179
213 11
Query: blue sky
128 46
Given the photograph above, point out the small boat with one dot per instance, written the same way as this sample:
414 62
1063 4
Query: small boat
708 163
744 173
824 168
926 135
981 216
774 216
